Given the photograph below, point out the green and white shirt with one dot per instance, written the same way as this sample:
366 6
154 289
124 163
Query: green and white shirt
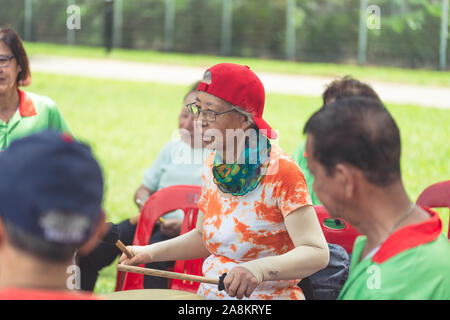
300 159
412 264
176 164
35 113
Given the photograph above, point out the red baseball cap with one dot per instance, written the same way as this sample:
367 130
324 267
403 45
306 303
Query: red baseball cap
241 87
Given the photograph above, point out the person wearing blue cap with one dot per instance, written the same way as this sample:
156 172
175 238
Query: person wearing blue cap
51 193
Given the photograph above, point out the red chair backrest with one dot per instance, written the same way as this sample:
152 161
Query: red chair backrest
436 196
344 236
183 197
193 267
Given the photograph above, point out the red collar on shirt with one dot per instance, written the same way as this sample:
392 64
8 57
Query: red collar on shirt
26 107
409 237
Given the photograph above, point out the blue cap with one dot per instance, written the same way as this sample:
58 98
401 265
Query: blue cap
51 187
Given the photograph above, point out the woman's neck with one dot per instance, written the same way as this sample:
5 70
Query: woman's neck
232 154
24 271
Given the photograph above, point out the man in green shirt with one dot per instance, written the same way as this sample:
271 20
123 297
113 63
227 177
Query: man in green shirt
353 151
35 113
412 269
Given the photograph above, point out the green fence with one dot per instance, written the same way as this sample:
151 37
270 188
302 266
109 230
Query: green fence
404 33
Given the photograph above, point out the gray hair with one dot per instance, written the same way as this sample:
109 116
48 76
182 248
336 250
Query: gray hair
247 114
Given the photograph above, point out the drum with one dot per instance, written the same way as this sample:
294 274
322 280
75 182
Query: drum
152 294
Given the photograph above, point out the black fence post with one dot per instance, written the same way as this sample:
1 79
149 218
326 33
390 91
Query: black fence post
108 31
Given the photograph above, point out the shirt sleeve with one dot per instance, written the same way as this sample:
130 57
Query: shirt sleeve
56 120
291 190
299 158
298 154
152 175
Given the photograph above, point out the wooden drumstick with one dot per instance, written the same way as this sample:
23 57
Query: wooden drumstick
124 249
165 274
172 275
112 237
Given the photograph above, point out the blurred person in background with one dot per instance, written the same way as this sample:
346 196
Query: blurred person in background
180 162
21 113
337 89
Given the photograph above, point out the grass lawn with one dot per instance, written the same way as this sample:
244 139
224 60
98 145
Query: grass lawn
372 73
128 123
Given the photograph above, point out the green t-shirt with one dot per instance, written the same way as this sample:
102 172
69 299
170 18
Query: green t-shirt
412 264
299 158
35 113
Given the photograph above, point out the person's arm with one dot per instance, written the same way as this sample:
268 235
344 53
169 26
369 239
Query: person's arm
152 176
141 195
310 255
187 246
56 120
171 227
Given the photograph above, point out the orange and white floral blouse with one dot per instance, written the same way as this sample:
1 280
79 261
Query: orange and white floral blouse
237 229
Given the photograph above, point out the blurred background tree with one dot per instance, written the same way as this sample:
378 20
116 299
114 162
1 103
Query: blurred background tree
325 30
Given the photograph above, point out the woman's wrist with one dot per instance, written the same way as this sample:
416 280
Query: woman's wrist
141 196
141 250
158 251
255 268
140 202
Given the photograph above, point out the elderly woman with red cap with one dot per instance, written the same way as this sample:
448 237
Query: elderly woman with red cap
257 223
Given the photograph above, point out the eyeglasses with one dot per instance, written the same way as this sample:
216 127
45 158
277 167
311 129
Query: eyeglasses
208 114
5 61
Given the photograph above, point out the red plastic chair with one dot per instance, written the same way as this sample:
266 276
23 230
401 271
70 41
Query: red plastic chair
436 196
183 197
342 233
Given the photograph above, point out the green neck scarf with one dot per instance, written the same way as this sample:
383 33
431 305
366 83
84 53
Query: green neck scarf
244 176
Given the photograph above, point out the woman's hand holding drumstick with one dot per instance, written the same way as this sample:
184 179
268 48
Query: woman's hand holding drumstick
139 255
187 246
132 258
239 283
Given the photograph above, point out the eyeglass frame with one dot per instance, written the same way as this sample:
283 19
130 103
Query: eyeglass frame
189 106
9 58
